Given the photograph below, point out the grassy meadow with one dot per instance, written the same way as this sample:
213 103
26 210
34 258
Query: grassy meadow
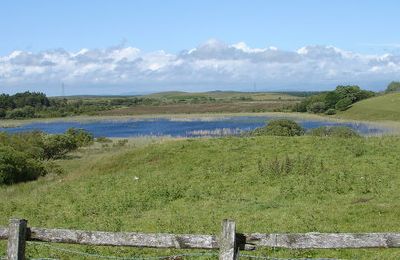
267 184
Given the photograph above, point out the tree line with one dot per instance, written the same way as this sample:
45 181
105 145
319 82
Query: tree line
339 99
36 105
330 102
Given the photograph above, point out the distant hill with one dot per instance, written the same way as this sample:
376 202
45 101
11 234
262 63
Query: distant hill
385 107
218 94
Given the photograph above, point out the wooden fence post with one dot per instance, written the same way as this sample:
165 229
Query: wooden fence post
16 239
228 249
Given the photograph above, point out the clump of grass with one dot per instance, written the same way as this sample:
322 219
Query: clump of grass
334 131
286 165
103 139
121 142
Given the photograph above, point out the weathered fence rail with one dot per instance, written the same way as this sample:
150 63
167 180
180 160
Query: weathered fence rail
228 242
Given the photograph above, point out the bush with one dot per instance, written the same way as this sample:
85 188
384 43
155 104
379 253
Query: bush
2 113
330 112
103 139
80 136
334 131
280 127
317 107
19 113
16 166
343 104
56 146
22 154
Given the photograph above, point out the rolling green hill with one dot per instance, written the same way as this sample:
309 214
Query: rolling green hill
385 107
267 184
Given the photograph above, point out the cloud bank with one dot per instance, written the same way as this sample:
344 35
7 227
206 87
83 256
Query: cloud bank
210 66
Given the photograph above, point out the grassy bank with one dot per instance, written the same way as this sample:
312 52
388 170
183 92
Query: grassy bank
381 108
267 184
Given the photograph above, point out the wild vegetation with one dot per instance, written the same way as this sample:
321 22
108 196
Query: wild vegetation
287 127
33 105
37 105
279 127
25 156
279 178
394 86
337 131
266 183
330 102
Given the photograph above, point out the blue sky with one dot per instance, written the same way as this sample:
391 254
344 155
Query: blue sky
368 28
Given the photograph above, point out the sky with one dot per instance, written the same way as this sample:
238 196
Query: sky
119 47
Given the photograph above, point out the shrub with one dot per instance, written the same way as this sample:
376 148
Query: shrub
103 139
80 136
25 112
317 107
335 131
16 166
30 143
2 113
56 146
343 104
306 103
300 107
330 112
280 127
343 131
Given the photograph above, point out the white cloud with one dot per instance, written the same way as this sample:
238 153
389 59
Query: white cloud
212 65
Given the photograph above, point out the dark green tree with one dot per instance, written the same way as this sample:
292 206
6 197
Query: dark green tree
343 104
394 86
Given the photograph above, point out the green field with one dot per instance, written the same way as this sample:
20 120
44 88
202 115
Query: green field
267 184
380 108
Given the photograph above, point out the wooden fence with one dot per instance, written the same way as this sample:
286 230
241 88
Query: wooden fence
228 242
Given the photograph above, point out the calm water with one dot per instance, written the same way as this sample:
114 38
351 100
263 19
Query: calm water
184 128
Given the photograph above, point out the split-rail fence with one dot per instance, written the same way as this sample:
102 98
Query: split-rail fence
229 242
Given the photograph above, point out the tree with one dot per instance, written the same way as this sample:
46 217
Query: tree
331 98
343 104
25 112
33 99
6 102
318 107
394 86
353 92
349 92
